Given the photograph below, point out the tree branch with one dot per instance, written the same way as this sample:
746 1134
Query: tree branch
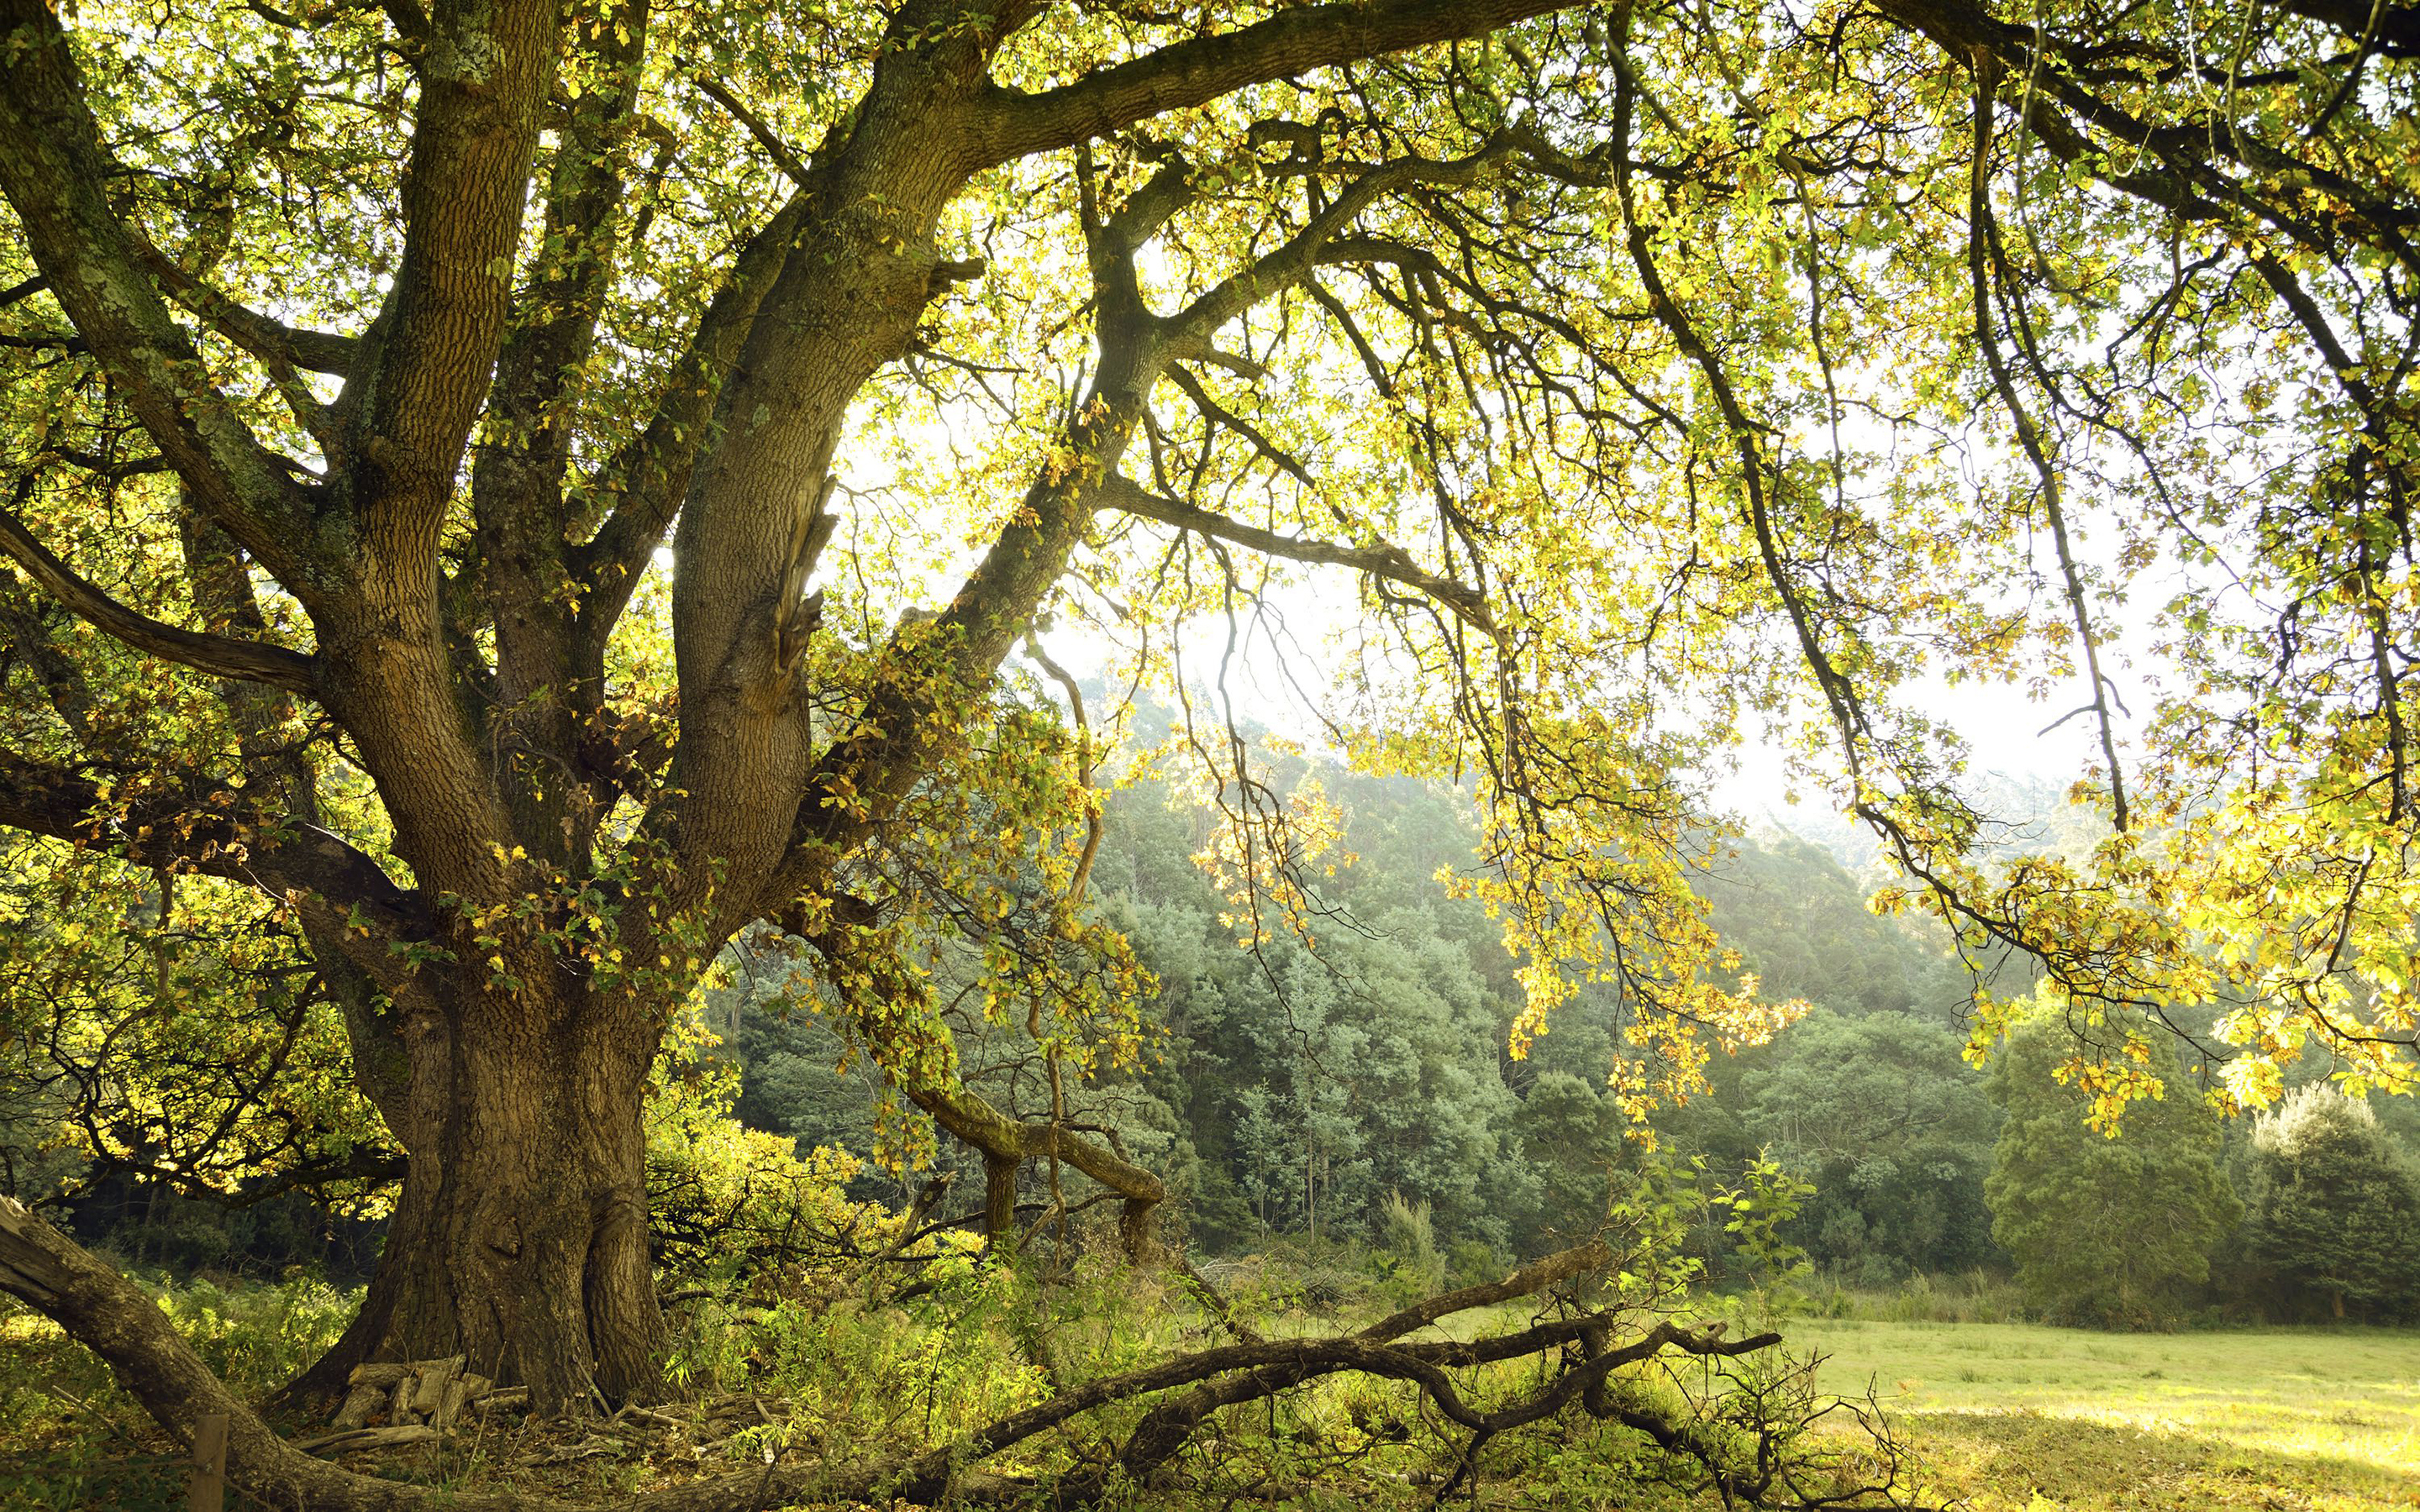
52 170
2395 28
1303 252
220 656
264 336
784 156
1391 562
2029 437
427 362
858 780
1183 74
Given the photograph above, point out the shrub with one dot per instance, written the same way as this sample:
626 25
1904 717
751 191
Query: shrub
1407 1262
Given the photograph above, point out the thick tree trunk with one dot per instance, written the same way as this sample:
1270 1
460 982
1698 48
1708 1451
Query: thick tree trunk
1000 1200
519 1237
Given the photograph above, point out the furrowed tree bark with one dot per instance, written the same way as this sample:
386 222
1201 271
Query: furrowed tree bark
521 1236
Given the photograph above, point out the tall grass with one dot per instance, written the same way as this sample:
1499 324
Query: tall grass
1966 1297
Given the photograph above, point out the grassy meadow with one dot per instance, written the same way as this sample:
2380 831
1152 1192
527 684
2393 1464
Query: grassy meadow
2013 1415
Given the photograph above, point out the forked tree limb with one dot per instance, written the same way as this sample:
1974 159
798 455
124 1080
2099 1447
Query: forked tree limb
1006 1141
264 336
259 848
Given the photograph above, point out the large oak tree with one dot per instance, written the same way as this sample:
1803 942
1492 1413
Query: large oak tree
1639 373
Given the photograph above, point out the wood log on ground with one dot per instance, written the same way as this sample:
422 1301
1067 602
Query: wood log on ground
361 1403
430 1378
410 1393
325 1444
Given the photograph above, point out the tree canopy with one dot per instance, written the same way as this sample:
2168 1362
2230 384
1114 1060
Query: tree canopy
524 494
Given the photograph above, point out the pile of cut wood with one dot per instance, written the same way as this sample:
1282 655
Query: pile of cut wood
413 1402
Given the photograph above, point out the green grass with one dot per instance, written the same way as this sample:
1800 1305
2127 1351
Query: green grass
2017 1416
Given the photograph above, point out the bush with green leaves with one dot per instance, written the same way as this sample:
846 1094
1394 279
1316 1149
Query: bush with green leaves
1761 1208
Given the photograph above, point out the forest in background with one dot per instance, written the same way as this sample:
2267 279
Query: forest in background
1357 1101
1338 1110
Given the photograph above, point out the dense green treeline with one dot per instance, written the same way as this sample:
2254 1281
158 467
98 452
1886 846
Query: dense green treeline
1311 1095
1294 1090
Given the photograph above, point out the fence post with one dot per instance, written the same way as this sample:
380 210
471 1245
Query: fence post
209 1490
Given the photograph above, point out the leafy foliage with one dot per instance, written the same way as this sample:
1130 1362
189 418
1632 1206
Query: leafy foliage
2109 1229
171 1029
2333 1208
723 1198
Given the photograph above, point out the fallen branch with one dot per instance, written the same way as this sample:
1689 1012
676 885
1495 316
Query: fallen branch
353 1439
103 1310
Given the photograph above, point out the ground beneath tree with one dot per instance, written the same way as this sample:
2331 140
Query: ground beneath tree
2009 1418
